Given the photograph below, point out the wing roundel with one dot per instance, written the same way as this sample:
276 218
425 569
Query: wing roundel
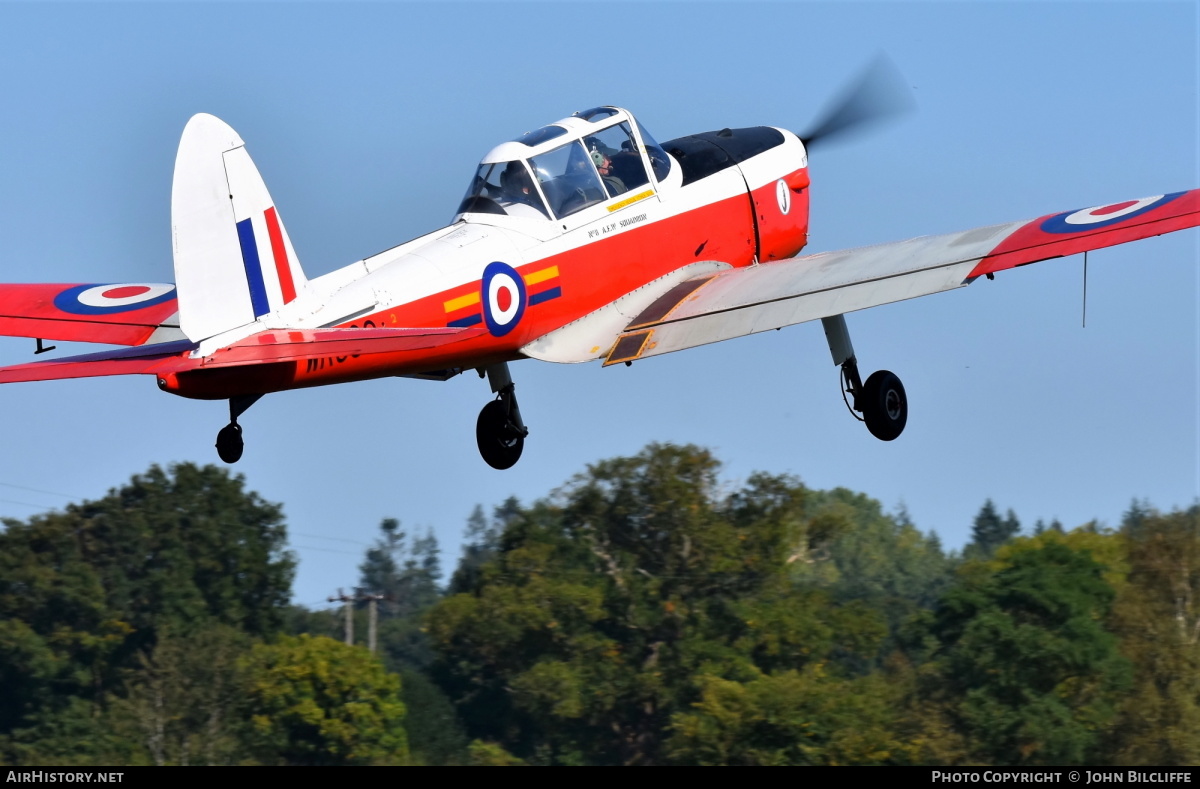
1072 232
117 314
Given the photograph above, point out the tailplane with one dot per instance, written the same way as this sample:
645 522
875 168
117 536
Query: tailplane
234 261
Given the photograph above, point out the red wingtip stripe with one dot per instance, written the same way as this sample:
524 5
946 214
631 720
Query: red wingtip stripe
279 252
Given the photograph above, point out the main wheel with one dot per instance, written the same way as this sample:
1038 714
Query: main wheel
499 442
230 444
884 406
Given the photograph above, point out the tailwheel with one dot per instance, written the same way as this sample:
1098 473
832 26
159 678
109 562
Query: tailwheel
229 443
500 439
884 405
229 440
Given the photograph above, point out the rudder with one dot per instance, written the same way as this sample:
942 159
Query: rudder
234 261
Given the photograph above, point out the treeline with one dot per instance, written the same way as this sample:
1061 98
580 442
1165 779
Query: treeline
644 613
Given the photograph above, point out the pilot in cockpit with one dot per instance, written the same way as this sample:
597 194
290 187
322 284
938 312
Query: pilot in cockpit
602 158
517 186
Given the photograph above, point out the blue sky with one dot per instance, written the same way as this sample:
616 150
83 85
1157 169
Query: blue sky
367 121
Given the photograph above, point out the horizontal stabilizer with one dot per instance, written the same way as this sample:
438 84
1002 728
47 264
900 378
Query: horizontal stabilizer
115 314
298 344
147 359
282 345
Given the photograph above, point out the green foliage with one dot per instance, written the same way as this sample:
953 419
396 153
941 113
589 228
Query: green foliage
805 717
480 544
70 733
1026 666
645 613
990 531
1157 616
489 754
435 736
186 704
404 571
607 610
86 593
317 701
880 560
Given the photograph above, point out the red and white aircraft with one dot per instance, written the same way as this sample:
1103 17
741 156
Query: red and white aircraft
582 240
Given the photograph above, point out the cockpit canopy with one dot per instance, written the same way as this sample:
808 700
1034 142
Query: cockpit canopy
567 166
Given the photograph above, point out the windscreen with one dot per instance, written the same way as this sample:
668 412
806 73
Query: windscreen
569 178
504 188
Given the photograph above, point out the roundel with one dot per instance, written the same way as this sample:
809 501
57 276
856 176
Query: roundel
108 299
783 194
1104 215
503 298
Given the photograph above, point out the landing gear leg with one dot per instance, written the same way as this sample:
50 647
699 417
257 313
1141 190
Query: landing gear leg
499 431
881 400
229 440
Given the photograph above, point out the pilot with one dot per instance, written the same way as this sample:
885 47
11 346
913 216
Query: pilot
518 186
602 157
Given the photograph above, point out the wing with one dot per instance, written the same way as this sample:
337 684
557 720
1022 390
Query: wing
120 314
735 302
265 347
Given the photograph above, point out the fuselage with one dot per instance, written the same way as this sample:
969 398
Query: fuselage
577 241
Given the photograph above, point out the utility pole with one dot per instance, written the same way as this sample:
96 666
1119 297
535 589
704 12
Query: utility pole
372 601
348 600
372 617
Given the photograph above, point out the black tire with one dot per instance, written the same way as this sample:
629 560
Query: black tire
884 406
499 443
230 444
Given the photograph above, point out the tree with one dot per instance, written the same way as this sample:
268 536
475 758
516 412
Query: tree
86 591
405 572
316 701
1026 667
480 544
185 705
990 531
435 736
802 717
606 609
882 560
1157 616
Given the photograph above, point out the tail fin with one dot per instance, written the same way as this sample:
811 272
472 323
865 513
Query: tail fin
234 261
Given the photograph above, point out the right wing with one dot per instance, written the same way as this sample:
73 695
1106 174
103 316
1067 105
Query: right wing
719 306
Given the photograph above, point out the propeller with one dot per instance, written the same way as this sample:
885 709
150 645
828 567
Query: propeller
879 93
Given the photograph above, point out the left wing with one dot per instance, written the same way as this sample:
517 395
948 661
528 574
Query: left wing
735 302
119 314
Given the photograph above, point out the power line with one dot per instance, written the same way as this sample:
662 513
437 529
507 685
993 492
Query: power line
322 550
27 504
39 490
337 539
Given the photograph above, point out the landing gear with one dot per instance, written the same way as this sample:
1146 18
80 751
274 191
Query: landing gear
881 400
229 440
229 443
884 405
500 440
499 431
